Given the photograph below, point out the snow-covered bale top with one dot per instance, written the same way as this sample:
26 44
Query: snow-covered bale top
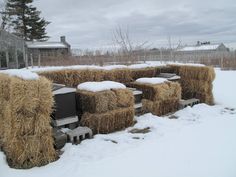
94 67
160 96
105 106
23 74
153 80
100 86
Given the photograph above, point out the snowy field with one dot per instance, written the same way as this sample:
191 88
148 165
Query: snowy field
200 143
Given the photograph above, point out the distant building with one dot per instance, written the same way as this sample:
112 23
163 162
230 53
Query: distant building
48 49
12 51
203 48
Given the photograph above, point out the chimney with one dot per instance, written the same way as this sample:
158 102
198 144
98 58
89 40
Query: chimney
63 39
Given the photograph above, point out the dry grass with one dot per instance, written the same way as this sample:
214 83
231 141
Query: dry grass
27 137
196 82
159 92
160 108
125 97
118 75
96 102
159 99
110 121
73 78
4 98
143 72
206 73
166 69
104 101
194 85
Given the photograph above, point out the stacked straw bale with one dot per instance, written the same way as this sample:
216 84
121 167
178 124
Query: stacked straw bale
159 99
143 72
72 78
106 111
196 82
26 134
118 75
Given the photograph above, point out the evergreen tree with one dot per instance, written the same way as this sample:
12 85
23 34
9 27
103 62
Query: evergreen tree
26 20
38 26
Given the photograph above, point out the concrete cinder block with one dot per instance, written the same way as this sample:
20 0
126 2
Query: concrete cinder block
78 134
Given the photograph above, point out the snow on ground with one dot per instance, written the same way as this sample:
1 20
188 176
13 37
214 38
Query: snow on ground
201 142
100 86
225 87
151 80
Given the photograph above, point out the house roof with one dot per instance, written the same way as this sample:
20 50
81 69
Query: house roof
46 45
200 47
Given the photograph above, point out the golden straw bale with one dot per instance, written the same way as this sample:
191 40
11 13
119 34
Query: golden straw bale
203 97
125 97
110 121
143 72
96 102
205 73
27 133
29 151
118 75
103 101
72 78
158 92
24 97
160 108
194 85
4 98
200 73
207 97
4 87
165 69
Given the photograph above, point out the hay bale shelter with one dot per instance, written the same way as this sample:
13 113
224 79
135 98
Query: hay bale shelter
143 72
25 131
196 82
159 98
72 78
107 110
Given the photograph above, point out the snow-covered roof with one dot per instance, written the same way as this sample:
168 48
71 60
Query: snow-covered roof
200 47
46 45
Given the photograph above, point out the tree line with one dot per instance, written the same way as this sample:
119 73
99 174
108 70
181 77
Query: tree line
23 19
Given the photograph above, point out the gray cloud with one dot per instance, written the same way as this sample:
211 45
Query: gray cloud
89 24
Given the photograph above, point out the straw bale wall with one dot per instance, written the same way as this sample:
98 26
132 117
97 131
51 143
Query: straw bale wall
26 134
106 111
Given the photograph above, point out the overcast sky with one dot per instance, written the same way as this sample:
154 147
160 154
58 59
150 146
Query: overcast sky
89 23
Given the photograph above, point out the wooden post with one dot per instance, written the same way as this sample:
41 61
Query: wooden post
222 62
161 53
25 58
26 61
7 58
16 59
31 60
39 60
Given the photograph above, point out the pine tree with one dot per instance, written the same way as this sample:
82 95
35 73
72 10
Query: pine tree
26 20
38 26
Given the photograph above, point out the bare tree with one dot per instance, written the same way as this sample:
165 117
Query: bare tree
125 46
